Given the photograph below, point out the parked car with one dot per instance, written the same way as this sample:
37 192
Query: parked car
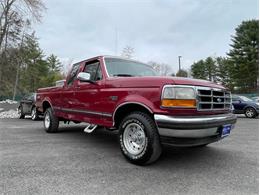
255 99
245 105
148 110
27 107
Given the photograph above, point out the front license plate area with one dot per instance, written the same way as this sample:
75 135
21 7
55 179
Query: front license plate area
226 130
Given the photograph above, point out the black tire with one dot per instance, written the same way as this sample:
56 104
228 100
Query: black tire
21 115
150 148
34 114
250 112
53 125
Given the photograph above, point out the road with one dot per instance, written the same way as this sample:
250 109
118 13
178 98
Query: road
73 162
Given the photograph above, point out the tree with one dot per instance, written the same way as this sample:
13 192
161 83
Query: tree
210 69
16 17
28 69
14 14
34 66
55 68
37 70
54 63
204 69
161 68
244 55
198 70
182 73
128 52
223 72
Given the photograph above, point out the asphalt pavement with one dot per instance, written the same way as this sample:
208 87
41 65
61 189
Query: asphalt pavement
73 162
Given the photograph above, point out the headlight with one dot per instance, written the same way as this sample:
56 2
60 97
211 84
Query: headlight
178 96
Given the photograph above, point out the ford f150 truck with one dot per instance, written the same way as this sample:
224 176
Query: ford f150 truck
146 109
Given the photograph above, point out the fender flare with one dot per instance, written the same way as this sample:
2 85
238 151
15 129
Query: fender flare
249 106
46 100
143 102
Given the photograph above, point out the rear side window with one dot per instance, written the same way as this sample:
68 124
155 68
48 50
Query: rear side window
73 74
94 70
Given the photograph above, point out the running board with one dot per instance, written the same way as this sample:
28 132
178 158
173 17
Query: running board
90 128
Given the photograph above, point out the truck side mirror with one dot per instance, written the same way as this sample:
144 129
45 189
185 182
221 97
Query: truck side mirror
84 76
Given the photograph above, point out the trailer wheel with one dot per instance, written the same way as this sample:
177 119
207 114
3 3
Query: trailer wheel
20 113
50 122
139 139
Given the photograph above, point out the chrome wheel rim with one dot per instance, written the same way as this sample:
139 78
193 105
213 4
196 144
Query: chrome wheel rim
134 139
249 112
47 120
33 113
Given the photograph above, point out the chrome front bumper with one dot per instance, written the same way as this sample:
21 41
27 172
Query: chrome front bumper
193 126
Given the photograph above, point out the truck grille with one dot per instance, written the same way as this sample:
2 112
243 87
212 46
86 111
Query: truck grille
213 99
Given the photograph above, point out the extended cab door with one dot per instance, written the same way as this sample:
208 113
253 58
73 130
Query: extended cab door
87 94
68 95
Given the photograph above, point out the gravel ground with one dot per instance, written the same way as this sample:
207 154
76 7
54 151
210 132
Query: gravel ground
72 162
8 109
9 114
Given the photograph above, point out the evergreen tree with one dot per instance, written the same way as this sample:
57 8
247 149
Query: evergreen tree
210 69
223 72
54 63
198 70
182 73
244 56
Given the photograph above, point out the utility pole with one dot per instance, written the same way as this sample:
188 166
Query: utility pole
179 62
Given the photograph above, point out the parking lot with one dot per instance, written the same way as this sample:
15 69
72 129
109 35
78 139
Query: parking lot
73 162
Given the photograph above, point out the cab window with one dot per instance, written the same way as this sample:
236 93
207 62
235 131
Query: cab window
73 74
93 68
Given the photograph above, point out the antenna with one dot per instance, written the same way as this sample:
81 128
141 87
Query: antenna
116 40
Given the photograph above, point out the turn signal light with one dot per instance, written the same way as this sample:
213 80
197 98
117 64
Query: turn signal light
178 103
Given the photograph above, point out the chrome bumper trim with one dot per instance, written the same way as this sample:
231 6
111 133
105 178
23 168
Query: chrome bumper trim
192 127
192 133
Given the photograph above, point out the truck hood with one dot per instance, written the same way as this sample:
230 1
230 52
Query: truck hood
156 81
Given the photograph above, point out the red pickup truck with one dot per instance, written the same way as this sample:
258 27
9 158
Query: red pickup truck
148 110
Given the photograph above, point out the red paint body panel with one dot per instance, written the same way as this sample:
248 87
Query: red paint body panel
98 98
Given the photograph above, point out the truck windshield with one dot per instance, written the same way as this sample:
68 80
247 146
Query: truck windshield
127 68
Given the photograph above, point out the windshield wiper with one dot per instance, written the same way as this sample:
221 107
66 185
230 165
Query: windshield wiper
123 75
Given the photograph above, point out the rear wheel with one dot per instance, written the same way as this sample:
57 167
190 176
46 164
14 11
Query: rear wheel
20 113
50 122
139 139
34 114
250 112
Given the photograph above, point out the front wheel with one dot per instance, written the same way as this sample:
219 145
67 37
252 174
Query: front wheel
34 114
250 112
139 139
50 122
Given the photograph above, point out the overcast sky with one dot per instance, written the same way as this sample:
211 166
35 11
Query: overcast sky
158 30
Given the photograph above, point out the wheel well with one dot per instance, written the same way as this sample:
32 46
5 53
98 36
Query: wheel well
45 105
249 107
124 110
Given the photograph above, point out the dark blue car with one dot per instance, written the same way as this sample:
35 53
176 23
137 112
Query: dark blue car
244 105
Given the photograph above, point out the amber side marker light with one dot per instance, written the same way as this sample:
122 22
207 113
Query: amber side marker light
178 103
